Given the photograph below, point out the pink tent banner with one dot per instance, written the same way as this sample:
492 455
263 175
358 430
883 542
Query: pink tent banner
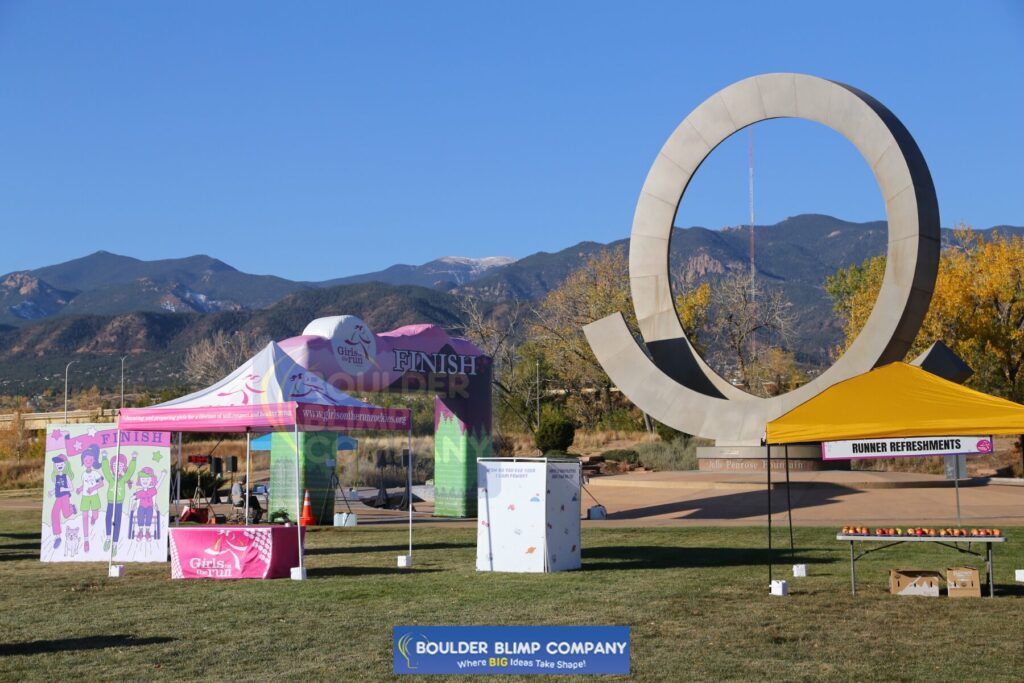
211 419
338 417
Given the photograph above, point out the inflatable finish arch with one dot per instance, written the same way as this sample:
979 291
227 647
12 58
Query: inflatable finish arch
347 354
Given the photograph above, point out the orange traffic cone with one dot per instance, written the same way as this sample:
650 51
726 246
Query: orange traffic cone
307 513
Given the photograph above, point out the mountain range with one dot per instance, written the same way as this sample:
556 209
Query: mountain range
108 284
102 306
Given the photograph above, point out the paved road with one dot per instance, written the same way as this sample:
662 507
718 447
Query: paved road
818 499
709 499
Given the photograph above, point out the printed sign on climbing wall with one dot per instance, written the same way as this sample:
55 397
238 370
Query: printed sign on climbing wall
99 502
528 517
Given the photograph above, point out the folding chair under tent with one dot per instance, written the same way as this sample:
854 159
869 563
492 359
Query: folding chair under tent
897 400
269 392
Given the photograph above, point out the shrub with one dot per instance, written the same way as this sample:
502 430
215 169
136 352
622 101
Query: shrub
621 455
279 517
503 445
192 477
678 454
620 419
666 433
555 433
21 475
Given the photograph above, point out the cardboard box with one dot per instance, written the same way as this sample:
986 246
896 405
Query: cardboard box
963 582
914 582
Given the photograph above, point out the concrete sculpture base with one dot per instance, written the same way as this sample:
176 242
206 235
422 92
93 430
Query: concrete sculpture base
802 458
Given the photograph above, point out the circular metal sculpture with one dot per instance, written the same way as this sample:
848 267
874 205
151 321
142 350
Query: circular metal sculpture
673 383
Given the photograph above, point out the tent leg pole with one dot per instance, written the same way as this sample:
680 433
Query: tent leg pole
298 502
177 487
115 519
248 444
789 502
956 483
768 469
409 489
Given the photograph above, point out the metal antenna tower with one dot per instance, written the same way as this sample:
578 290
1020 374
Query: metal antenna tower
753 267
750 179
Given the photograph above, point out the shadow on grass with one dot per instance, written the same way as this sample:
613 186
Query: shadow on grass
20 546
352 549
660 557
1004 589
14 557
38 647
25 535
740 505
364 571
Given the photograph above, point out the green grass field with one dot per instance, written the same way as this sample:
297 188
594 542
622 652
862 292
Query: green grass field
696 600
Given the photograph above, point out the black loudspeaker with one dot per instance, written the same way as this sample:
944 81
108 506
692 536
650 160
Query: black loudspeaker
382 459
232 463
216 466
405 457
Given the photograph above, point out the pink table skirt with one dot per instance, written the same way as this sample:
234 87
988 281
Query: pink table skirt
233 552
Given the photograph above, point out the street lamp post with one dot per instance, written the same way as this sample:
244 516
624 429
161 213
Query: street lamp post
122 381
538 393
66 368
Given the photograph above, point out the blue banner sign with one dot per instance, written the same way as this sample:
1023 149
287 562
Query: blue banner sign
511 649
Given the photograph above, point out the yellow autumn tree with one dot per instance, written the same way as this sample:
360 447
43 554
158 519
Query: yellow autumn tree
600 287
692 306
977 308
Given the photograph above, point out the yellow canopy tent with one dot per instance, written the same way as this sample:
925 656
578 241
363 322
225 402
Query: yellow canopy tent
896 400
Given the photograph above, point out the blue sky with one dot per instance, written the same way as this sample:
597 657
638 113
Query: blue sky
318 139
